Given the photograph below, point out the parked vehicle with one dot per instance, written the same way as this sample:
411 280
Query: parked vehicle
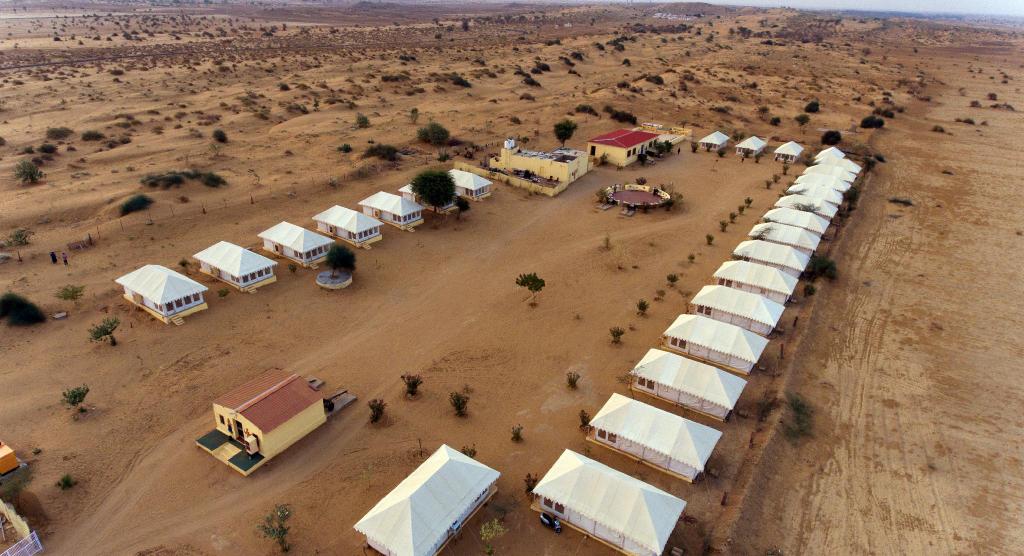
551 522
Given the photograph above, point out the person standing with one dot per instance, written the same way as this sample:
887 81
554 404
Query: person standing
53 257
64 256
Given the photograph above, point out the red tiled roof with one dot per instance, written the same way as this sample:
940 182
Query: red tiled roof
271 399
624 138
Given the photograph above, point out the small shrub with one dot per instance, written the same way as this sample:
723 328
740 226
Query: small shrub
382 151
362 122
821 265
412 385
274 526
572 379
19 237
70 293
672 279
710 239
691 257
872 122
135 203
65 482
517 433
105 330
73 397
800 421
584 419
223 292
460 402
616 333
345 148
93 135
48 148
59 133
220 136
642 306
812 107
26 171
809 290
469 451
530 482
377 407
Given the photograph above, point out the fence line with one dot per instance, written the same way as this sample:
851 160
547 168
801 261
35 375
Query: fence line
25 547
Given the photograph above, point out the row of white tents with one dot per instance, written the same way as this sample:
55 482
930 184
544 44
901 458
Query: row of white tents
169 296
787 152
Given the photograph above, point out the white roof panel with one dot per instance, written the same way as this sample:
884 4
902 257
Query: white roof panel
792 148
415 517
799 218
822 192
716 138
828 181
294 237
802 202
468 180
774 253
786 235
738 302
720 336
834 171
832 160
759 275
830 152
391 203
692 377
753 143
621 503
233 259
160 284
681 439
347 219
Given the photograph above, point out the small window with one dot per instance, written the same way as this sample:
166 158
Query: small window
612 437
601 433
177 303
547 502
560 508
221 417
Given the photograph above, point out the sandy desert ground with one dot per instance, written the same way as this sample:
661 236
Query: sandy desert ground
910 376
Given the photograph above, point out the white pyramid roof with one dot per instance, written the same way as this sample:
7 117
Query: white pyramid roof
347 219
834 171
786 235
816 205
832 160
692 377
774 253
468 180
828 181
621 503
666 433
821 192
414 518
720 336
716 138
233 259
753 142
792 148
391 203
749 305
799 218
759 275
831 151
160 284
294 237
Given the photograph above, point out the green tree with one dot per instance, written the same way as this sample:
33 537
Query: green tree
488 532
531 282
564 130
26 171
74 397
340 257
434 133
275 528
802 119
105 330
71 293
434 187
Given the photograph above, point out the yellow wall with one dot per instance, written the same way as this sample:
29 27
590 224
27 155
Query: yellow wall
563 172
283 436
617 155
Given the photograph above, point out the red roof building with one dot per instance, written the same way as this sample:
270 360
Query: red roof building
621 147
624 138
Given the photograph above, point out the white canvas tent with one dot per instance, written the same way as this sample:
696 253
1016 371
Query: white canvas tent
236 265
833 171
829 152
714 141
844 163
798 238
296 243
748 310
821 192
351 226
787 259
612 506
688 383
162 292
803 202
659 438
719 342
470 185
822 180
799 218
755 278
429 506
751 146
393 209
788 152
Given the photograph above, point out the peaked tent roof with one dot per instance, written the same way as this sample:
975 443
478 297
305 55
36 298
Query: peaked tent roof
845 163
416 515
664 432
626 505
720 336
822 192
160 284
767 277
294 237
271 399
468 180
716 138
786 235
774 253
391 203
233 259
834 171
753 143
818 206
831 151
792 148
347 219
693 377
738 302
821 179
799 218
624 138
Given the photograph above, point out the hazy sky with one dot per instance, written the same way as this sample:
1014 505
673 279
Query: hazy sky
988 7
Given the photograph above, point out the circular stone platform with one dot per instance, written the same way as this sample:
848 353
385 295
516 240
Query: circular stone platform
338 281
636 198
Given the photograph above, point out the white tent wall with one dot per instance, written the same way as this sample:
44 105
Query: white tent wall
703 352
240 281
177 306
730 318
682 399
775 296
645 453
288 253
347 235
596 529
788 270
